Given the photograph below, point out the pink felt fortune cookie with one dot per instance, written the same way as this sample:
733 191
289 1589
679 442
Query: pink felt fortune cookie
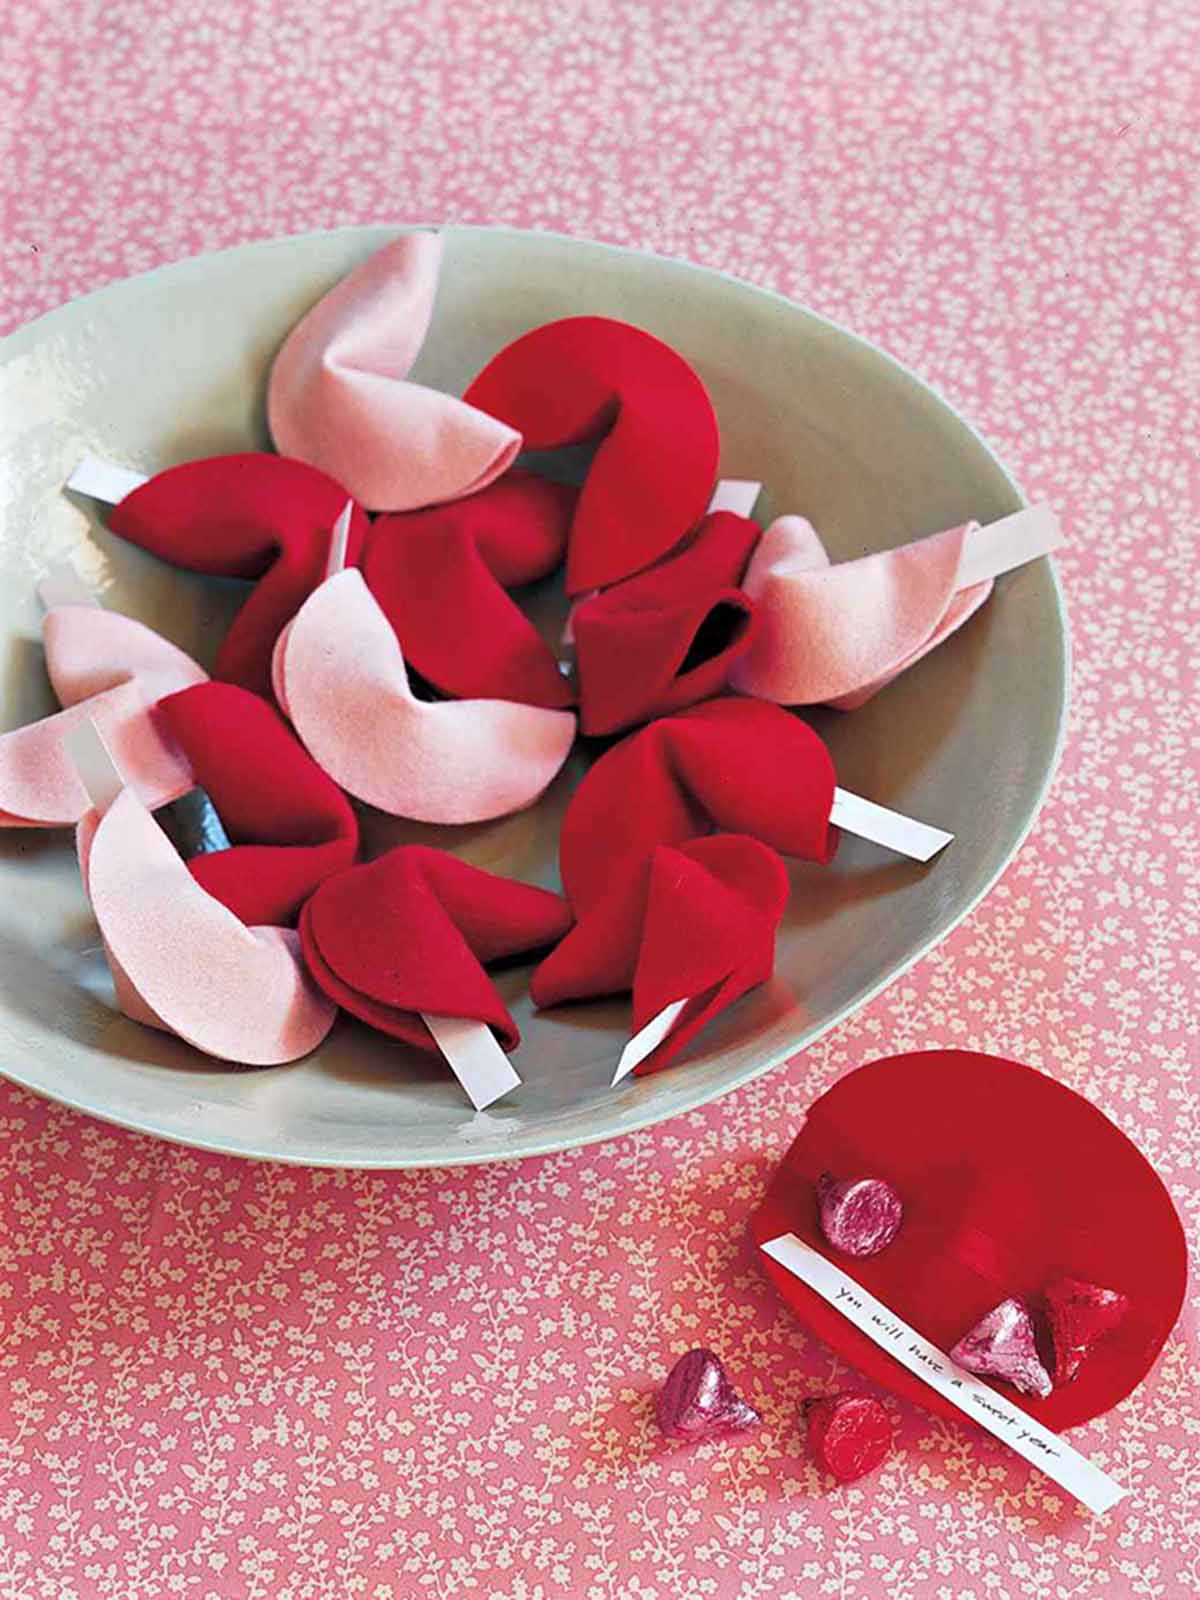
243 516
408 935
289 824
666 638
586 378
180 960
836 634
339 398
340 676
692 923
441 575
111 670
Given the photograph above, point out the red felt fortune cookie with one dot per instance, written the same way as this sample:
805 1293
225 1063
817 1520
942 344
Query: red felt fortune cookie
411 932
590 377
698 1399
695 922
290 825
848 1434
666 638
738 765
1080 1316
997 1164
243 516
440 577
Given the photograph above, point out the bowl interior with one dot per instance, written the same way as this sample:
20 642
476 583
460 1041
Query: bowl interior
172 366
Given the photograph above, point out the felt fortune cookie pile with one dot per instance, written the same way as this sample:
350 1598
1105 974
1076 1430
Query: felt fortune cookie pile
384 660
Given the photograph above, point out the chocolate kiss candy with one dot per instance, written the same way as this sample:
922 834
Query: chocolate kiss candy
859 1216
1080 1315
848 1434
1001 1345
698 1399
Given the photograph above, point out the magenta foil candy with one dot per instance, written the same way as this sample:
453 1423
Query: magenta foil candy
859 1216
698 1399
1002 1345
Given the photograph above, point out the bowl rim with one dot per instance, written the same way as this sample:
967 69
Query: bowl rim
636 1121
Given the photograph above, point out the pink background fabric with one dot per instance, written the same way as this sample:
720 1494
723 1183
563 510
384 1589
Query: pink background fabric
227 1380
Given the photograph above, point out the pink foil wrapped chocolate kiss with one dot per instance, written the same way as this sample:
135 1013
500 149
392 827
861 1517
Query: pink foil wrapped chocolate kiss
859 1216
339 398
1002 1345
698 1399
848 1434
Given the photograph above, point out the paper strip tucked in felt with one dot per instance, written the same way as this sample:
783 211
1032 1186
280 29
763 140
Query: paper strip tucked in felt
340 675
475 1058
739 495
94 763
998 547
647 1040
104 480
891 829
975 1399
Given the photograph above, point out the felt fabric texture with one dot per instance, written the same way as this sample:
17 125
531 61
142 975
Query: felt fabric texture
837 634
666 638
289 824
695 921
411 932
338 396
252 515
112 669
586 378
340 676
738 766
440 578
1009 1179
182 961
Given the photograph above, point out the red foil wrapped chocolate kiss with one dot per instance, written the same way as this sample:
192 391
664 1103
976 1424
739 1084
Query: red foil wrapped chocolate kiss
1010 1180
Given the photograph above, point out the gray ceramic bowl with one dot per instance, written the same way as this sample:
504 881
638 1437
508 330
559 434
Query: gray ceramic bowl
172 365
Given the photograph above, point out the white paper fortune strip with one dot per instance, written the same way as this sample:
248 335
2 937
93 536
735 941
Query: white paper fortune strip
647 1039
97 770
892 829
474 1057
103 480
999 547
974 1398
735 494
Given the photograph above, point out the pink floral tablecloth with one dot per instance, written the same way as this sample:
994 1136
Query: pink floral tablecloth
219 1379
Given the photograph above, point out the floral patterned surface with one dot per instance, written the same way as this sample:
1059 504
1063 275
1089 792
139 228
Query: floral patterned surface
226 1380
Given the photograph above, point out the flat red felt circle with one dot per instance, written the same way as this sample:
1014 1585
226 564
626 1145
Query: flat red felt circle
1008 1179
